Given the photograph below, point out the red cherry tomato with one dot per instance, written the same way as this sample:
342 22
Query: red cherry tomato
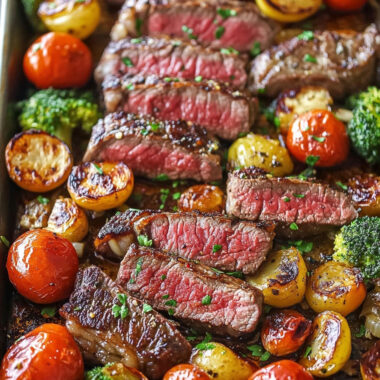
58 60
284 332
282 370
185 372
318 133
42 266
346 5
48 352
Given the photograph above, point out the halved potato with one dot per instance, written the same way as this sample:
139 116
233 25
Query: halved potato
68 220
37 161
329 346
77 17
100 186
337 287
204 198
220 362
282 278
292 103
288 10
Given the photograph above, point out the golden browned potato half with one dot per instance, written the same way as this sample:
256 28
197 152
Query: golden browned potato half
37 161
204 198
262 152
329 346
219 362
68 220
337 287
100 186
77 17
282 278
293 103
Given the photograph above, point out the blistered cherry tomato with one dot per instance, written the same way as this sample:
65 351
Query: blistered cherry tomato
318 137
284 332
185 372
48 352
42 266
282 370
58 60
346 5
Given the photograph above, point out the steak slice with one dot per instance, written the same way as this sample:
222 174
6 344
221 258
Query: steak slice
219 109
166 57
141 340
212 239
217 24
191 292
299 207
342 62
151 148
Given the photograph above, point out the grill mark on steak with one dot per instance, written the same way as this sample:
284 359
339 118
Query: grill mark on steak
157 18
220 109
234 308
213 240
149 147
255 196
345 63
166 57
147 341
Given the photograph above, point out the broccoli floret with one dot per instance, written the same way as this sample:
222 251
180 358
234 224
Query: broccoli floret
97 373
364 127
112 371
58 112
31 8
358 244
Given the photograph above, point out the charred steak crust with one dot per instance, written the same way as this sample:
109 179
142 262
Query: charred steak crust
151 147
195 20
222 110
342 62
191 292
213 240
167 57
149 337
253 195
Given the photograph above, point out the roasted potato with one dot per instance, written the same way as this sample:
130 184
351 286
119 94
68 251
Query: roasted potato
371 311
337 287
329 346
79 18
204 198
288 11
259 151
284 332
186 371
36 213
219 362
282 278
292 103
37 161
370 363
68 220
100 186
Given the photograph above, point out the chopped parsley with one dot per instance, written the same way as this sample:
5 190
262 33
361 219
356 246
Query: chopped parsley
318 138
286 199
138 25
276 122
299 195
144 132
229 50
176 195
293 226
165 296
307 352
171 303
144 241
171 311
136 40
163 197
361 332
342 185
226 13
309 58
216 248
130 87
147 308
175 184
48 311
122 310
312 160
261 90
219 32
154 126
98 168
198 78
258 351
161 177
305 128
127 62
206 300
163 277
256 49
42 200
189 32
191 338
306 35
301 245
236 274
265 356
205 344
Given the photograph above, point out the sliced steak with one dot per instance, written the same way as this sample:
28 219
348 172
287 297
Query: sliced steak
219 109
191 292
342 62
217 24
138 339
166 57
151 148
299 207
214 240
